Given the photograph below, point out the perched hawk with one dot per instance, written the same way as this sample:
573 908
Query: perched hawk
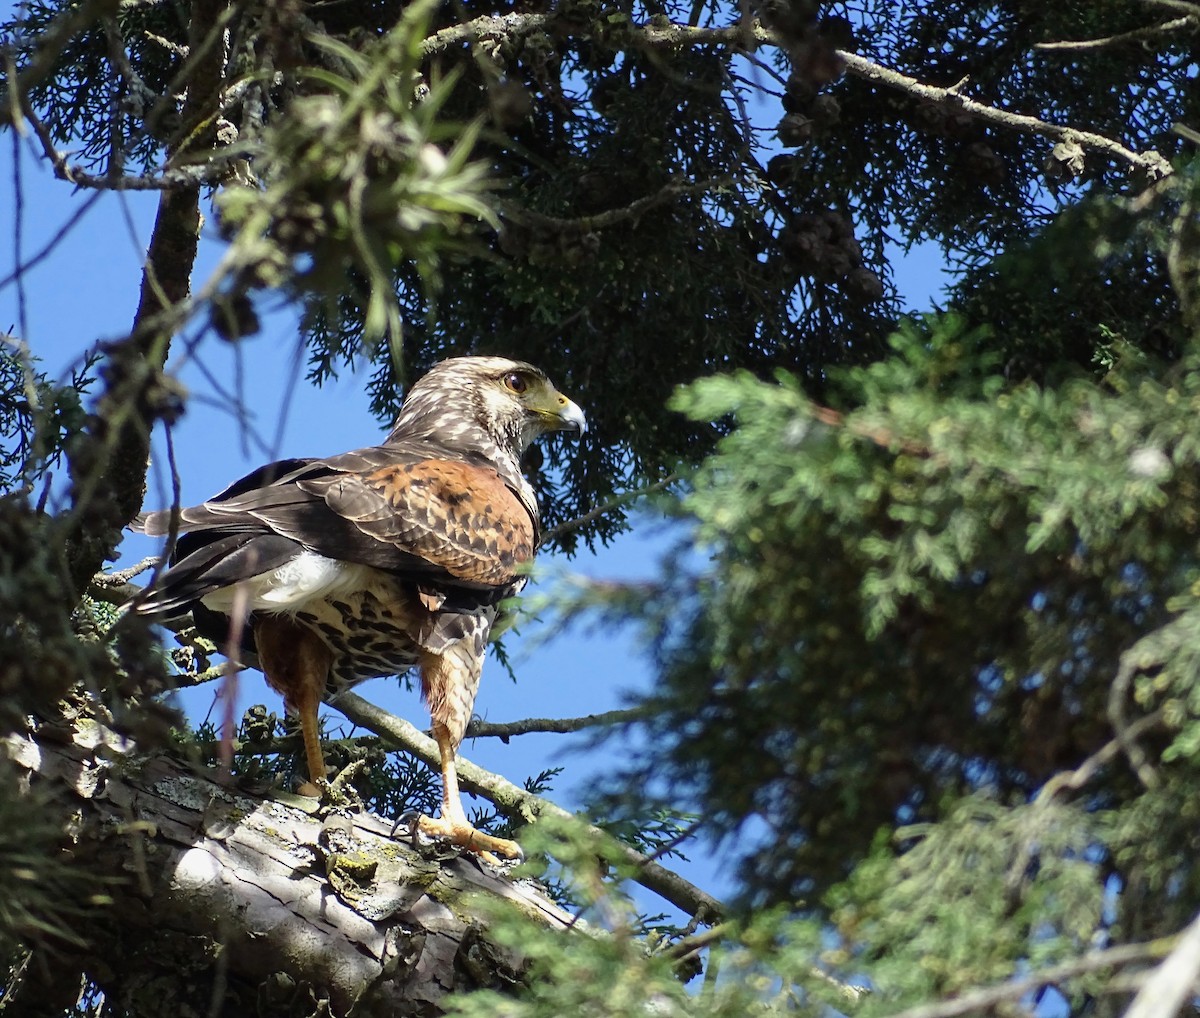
370 562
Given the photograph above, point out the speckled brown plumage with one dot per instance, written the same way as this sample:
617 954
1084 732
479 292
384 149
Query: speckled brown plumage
369 562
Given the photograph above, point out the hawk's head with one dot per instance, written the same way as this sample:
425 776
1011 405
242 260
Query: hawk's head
464 400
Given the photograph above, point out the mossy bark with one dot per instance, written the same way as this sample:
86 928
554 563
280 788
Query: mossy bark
227 903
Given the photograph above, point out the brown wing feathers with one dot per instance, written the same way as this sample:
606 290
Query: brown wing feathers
430 519
456 517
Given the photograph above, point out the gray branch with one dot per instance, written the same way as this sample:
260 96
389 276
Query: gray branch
1165 989
1190 21
240 891
749 34
974 1001
1152 163
505 730
516 802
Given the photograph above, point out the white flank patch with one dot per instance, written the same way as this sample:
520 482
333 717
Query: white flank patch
308 577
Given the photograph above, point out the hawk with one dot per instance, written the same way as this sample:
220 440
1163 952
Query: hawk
367 563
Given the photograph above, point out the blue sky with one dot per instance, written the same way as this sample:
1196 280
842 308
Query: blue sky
86 290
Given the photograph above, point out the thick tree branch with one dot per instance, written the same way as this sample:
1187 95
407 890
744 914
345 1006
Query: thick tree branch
519 804
221 893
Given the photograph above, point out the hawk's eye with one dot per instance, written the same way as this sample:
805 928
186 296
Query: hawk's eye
516 382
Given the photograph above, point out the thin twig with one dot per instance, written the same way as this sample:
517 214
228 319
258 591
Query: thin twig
1072 780
622 499
1075 779
1134 35
479 729
1093 961
611 217
52 244
1183 6
1131 661
694 944
1152 163
123 576
73 20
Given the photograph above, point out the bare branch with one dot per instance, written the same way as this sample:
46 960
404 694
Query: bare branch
123 576
1093 961
611 217
74 20
1075 779
378 925
1152 163
1145 653
1135 35
750 34
214 169
691 946
167 44
622 499
478 728
516 802
651 36
1165 990
504 26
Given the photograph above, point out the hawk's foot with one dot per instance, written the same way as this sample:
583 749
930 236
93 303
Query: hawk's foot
459 832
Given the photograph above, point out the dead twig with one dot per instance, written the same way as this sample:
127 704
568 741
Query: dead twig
1154 165
1094 961
1188 21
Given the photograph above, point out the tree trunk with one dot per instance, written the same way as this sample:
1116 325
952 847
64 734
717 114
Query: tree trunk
226 903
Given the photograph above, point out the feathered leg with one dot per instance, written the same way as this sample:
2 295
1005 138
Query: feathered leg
449 681
295 662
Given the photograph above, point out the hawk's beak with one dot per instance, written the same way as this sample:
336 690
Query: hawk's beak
569 416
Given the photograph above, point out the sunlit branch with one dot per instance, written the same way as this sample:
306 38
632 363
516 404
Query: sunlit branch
169 180
750 34
1172 982
1135 35
477 729
1093 961
505 730
1153 164
518 803
122 577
